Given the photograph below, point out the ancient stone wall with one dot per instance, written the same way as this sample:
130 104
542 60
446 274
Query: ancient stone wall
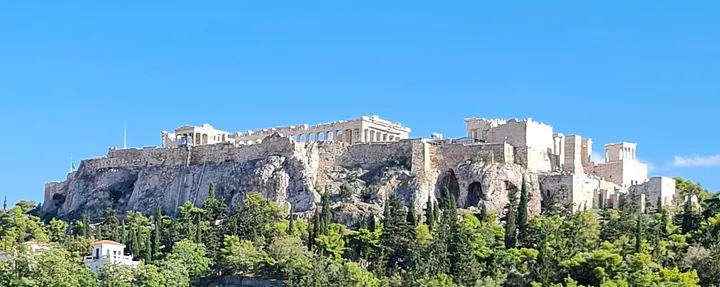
451 155
366 156
577 191
215 153
655 188
535 160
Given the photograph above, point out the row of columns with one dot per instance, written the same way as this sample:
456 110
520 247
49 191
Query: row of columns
346 135
378 136
194 139
627 153
328 136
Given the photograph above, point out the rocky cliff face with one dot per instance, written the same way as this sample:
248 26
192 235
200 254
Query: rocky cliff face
284 180
358 184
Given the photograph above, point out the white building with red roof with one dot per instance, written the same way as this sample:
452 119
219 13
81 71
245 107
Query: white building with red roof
108 252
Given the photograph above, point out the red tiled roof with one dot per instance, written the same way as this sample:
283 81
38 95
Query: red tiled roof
109 242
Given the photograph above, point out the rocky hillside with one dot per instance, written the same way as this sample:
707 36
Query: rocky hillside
359 178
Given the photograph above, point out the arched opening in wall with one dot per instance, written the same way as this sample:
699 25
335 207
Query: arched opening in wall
321 137
302 138
475 195
311 137
339 136
449 181
294 138
330 137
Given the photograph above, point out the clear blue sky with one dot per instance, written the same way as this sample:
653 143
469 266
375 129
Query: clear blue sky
70 73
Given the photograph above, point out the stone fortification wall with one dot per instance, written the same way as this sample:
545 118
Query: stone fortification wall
368 156
451 155
656 188
577 191
218 153
533 159
215 153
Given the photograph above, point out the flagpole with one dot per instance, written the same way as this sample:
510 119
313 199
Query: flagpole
125 136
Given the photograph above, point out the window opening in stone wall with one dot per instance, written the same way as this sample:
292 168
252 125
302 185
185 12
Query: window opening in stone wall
321 137
311 137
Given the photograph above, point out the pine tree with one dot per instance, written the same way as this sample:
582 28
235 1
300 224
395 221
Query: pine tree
158 228
510 222
464 267
443 236
522 217
110 224
429 215
397 236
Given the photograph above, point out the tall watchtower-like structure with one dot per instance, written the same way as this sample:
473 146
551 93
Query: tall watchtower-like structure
621 165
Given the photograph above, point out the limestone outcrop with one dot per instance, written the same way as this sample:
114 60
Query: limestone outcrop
358 177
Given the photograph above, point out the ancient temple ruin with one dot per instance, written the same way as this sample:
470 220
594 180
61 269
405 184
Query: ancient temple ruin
364 129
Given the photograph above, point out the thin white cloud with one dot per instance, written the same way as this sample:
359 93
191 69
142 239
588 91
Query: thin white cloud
696 161
597 157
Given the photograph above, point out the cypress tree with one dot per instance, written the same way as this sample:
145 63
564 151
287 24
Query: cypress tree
362 222
314 232
411 219
325 215
134 242
511 221
148 249
688 216
157 230
123 232
86 226
371 224
429 215
638 234
522 216
5 203
198 228
291 224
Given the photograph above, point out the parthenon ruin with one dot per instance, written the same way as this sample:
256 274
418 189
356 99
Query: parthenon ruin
360 130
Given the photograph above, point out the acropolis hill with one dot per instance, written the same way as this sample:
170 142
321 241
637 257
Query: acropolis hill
359 161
